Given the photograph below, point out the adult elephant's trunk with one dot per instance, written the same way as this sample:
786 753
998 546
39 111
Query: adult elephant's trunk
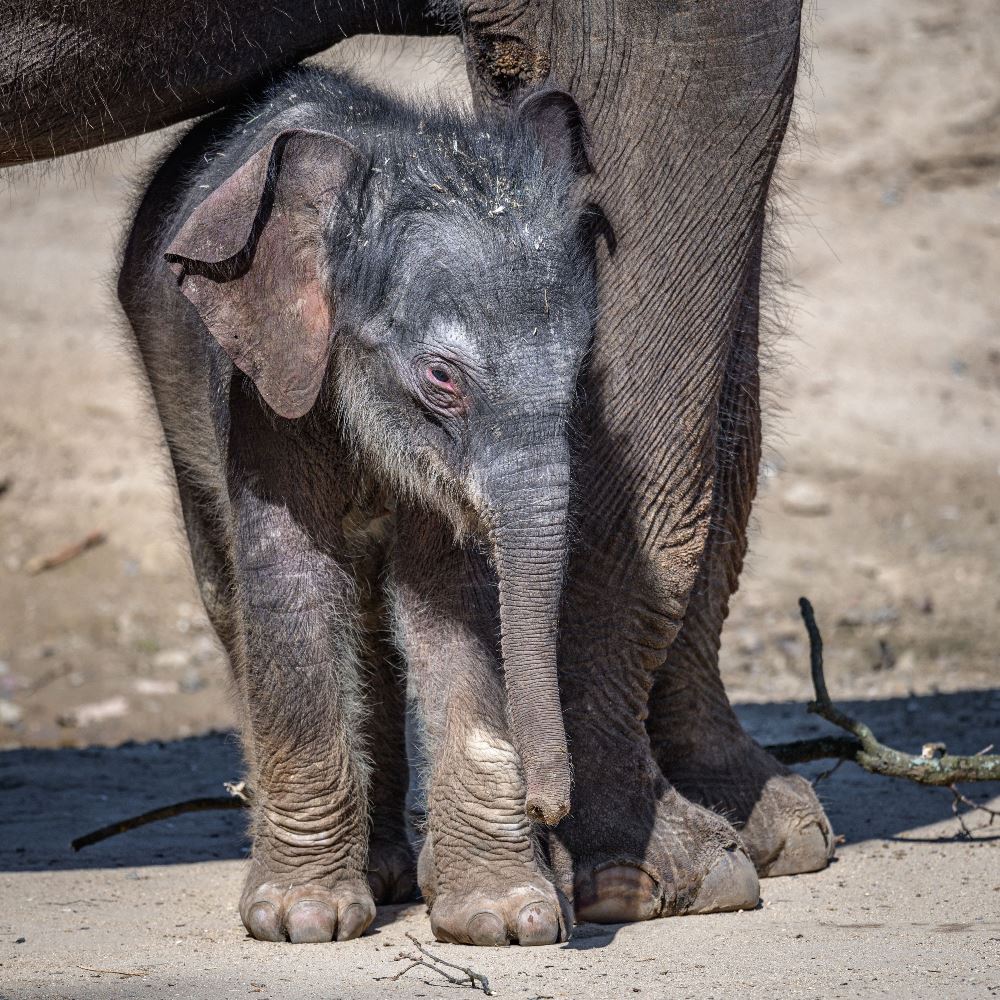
529 536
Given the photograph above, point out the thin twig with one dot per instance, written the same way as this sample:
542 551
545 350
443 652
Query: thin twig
113 972
41 563
474 977
829 772
958 799
155 815
416 963
471 978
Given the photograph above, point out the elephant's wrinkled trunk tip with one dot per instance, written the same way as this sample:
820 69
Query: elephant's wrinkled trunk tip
547 800
539 733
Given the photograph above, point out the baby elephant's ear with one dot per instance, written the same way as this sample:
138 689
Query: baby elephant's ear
557 123
250 259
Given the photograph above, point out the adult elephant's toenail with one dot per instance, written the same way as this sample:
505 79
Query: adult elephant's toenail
353 922
617 894
310 921
486 928
731 884
537 924
807 848
263 922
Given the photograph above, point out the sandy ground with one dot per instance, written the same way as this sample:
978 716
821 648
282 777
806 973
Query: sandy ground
880 499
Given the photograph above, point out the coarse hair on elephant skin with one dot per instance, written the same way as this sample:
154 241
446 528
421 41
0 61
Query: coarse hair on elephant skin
363 323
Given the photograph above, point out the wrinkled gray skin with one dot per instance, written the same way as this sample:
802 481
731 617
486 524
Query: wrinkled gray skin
363 325
687 106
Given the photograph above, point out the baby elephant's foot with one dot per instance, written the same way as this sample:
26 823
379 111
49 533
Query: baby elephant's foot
392 873
678 859
779 817
274 908
527 914
481 909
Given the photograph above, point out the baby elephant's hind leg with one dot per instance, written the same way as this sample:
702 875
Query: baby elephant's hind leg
481 868
391 869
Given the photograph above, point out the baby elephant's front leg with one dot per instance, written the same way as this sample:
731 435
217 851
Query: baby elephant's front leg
295 664
481 869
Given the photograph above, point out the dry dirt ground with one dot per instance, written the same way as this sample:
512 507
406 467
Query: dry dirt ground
880 499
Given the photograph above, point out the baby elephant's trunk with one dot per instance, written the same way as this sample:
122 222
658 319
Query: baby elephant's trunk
530 551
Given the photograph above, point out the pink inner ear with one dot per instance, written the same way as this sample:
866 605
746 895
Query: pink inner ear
273 320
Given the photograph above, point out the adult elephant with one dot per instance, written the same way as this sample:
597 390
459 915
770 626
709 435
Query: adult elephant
687 103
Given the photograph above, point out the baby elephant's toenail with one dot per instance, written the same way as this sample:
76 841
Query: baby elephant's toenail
537 924
263 923
310 922
487 928
353 922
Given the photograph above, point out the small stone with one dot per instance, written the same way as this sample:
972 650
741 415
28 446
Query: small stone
10 714
146 685
94 712
865 567
192 681
805 499
20 940
171 659
886 657
749 642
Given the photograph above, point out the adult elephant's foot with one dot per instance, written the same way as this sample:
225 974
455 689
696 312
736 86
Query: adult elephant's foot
277 907
392 874
639 853
491 905
776 811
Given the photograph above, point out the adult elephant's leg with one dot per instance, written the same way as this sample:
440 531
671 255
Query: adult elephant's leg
697 740
687 104
78 75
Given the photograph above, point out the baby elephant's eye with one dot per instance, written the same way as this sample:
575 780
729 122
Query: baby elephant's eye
439 375
440 386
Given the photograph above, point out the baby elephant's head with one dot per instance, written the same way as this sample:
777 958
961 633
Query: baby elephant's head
437 294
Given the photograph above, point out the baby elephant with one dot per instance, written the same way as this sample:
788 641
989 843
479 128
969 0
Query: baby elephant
363 324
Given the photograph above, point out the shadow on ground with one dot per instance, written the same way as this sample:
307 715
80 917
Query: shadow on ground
50 796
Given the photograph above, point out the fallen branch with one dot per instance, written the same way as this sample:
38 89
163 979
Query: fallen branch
41 563
933 766
239 798
474 980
